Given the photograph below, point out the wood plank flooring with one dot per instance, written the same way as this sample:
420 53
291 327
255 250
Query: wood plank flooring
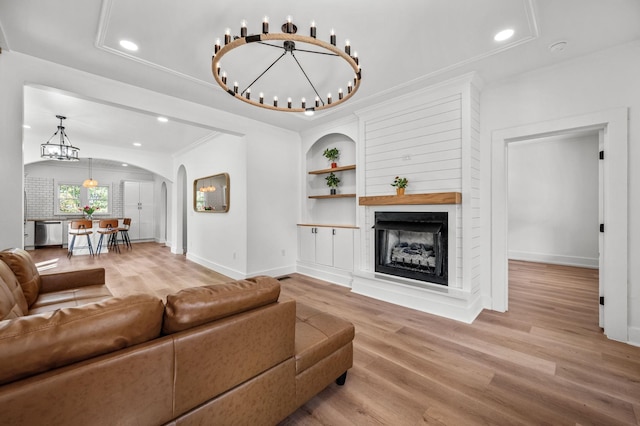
545 361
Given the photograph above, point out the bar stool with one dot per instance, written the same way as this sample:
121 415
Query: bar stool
108 227
80 227
124 231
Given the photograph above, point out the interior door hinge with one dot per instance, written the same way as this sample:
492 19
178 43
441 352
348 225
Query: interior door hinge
602 155
602 300
602 227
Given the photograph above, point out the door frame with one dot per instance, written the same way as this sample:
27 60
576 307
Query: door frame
614 255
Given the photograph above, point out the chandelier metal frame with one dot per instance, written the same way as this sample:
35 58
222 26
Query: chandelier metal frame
289 37
62 151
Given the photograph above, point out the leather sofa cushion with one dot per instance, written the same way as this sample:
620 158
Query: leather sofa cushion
25 271
12 301
37 343
69 298
318 335
199 305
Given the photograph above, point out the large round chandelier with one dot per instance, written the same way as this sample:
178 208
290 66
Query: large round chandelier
289 43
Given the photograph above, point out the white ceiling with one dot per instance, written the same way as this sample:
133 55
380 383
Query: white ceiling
402 45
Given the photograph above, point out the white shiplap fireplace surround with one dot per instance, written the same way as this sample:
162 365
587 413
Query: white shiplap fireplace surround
430 137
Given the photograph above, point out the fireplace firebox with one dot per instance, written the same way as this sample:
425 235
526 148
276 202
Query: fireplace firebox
412 245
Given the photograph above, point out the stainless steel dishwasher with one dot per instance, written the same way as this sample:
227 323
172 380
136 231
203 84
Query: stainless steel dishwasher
48 233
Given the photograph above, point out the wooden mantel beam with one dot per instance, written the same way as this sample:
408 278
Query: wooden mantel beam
412 199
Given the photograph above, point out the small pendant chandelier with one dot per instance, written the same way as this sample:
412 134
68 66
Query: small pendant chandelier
90 183
62 151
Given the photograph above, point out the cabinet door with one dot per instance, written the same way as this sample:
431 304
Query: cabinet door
131 208
324 246
343 248
146 211
307 243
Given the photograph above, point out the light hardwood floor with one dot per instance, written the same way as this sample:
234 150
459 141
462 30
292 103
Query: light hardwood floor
545 361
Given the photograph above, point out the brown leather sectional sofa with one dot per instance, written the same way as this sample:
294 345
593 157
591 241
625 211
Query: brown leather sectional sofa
72 354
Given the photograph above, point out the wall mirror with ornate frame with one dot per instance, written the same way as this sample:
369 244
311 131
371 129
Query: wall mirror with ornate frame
211 194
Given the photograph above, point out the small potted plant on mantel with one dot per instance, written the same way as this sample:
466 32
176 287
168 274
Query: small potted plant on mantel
332 182
400 184
332 155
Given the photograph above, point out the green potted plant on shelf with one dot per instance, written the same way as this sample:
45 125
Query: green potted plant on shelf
400 184
332 182
332 155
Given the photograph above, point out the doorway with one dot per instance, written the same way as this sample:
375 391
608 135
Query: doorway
614 257
553 218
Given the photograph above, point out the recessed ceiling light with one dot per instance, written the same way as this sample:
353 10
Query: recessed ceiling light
125 165
26 126
129 45
558 46
137 144
163 119
504 35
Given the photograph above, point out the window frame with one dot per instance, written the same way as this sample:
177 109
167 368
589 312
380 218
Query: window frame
84 198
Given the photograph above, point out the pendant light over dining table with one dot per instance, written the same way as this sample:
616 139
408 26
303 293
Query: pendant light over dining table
90 183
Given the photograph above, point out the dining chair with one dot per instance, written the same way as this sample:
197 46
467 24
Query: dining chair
80 227
108 227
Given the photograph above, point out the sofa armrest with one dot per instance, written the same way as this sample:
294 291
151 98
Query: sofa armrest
72 279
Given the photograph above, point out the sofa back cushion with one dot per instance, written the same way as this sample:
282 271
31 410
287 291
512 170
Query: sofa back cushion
199 305
25 270
12 301
37 343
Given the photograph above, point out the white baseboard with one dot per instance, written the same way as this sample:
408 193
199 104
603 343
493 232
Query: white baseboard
555 259
634 336
231 273
275 272
326 273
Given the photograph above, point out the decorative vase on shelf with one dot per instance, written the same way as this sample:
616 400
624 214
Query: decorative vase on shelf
399 191
333 191
334 165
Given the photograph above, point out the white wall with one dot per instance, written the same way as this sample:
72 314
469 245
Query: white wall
601 81
218 240
273 162
553 200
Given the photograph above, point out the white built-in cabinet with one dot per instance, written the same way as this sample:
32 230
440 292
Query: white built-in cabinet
326 245
139 206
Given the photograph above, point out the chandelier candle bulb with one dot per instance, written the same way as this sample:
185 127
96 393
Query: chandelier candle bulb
235 87
312 30
275 101
227 36
349 87
355 58
347 47
332 37
304 103
261 98
317 102
247 94
340 95
289 24
329 98
224 76
243 28
217 46
288 102
265 25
